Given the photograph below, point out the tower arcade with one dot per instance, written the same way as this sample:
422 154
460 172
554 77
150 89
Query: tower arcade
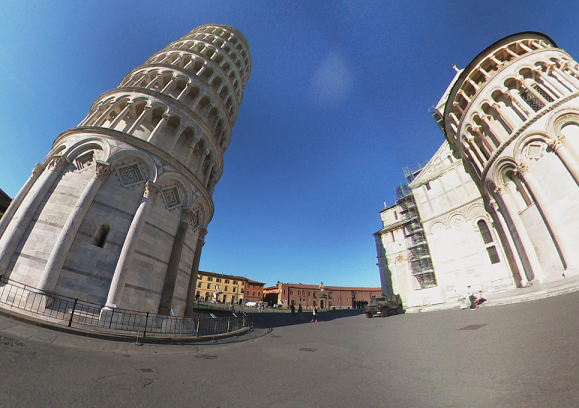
117 212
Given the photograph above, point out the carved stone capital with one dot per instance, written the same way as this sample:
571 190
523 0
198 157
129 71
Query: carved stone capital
151 190
522 169
102 169
37 170
555 144
58 163
500 190
188 216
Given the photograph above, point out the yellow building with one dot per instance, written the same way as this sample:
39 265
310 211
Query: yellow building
220 287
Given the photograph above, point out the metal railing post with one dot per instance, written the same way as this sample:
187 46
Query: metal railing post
198 324
228 324
146 320
72 313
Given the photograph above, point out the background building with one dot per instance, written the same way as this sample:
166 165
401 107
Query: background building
117 212
323 297
220 287
4 202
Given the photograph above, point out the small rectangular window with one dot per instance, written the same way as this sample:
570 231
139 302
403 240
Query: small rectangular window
208 286
427 185
493 254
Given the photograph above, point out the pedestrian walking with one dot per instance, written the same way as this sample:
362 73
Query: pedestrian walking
293 309
315 315
300 312
471 297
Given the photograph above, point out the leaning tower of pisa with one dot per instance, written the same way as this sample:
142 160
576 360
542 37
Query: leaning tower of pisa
512 115
117 212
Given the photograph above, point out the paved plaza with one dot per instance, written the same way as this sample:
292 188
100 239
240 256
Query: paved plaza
518 355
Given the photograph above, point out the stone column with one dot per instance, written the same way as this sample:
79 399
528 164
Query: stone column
191 149
17 227
168 86
561 149
104 116
495 132
533 91
176 137
552 223
172 269
151 84
120 116
519 228
139 120
15 204
158 128
63 243
507 244
549 80
89 117
192 290
204 153
131 241
184 92
518 103
209 170
504 116
197 100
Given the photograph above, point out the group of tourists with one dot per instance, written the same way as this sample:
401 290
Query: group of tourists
301 312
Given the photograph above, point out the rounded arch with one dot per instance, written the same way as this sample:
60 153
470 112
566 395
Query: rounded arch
169 179
456 219
437 227
91 143
476 211
202 207
521 148
146 161
501 166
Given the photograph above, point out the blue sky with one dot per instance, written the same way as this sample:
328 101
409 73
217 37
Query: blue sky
336 105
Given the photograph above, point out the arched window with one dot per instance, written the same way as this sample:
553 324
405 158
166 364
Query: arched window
485 232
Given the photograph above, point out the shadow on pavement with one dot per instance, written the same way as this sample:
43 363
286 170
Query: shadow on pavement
280 319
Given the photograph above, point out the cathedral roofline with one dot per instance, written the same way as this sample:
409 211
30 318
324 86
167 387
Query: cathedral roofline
481 55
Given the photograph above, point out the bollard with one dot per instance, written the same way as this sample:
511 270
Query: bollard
228 324
198 324
72 313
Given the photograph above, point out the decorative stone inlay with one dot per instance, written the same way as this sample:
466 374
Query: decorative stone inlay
534 151
171 196
130 175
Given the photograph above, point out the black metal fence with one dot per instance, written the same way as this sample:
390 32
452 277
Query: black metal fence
78 313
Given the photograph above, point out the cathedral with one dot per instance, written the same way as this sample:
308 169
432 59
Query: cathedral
117 212
496 205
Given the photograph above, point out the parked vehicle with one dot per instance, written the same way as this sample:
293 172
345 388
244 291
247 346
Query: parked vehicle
251 303
384 305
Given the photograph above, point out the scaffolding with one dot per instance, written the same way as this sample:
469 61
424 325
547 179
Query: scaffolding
419 258
437 118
